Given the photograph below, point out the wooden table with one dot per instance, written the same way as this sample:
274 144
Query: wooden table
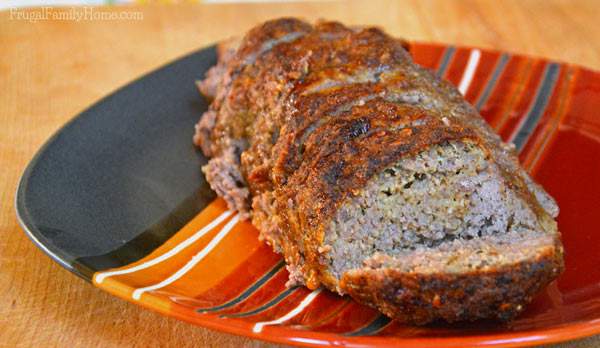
52 69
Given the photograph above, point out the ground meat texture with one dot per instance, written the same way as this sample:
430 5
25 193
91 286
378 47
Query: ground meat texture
373 177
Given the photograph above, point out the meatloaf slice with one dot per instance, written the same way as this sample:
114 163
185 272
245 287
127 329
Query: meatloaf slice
441 235
373 177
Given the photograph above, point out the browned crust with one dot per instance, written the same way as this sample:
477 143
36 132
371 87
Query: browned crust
421 298
290 100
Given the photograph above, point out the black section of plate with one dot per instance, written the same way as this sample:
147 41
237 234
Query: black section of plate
123 176
149 240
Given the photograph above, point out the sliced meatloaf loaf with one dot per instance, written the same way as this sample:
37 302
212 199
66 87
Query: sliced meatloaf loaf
372 176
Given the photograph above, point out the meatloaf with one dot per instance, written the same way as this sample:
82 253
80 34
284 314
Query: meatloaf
372 176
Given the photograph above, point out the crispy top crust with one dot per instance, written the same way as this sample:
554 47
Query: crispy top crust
315 111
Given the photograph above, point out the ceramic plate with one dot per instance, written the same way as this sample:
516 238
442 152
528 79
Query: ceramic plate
117 197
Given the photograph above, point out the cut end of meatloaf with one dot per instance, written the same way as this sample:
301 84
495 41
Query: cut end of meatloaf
225 178
443 214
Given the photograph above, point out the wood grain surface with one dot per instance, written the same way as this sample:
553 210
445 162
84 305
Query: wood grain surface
52 69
